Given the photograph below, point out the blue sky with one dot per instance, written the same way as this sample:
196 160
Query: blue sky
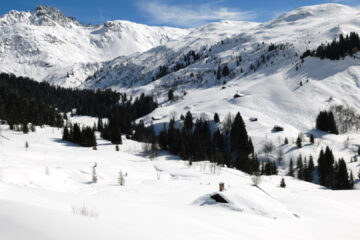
179 13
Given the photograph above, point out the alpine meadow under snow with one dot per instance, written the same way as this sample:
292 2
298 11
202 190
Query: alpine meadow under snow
131 183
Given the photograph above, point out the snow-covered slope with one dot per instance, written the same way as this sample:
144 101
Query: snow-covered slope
46 45
275 85
162 199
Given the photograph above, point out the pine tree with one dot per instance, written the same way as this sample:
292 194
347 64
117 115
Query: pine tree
298 142
188 123
300 168
218 74
312 140
25 128
308 172
100 125
282 183
65 136
342 176
325 168
291 168
115 137
286 141
225 71
325 122
351 181
171 95
216 118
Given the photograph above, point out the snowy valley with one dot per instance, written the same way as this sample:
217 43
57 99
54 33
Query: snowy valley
53 188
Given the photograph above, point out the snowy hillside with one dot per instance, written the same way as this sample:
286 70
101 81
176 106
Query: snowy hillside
225 68
46 45
265 69
43 185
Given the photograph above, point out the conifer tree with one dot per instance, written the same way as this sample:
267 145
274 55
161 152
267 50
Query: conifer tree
291 168
282 183
216 118
25 128
300 168
100 125
171 95
351 181
342 176
188 123
65 136
312 140
225 71
286 141
298 142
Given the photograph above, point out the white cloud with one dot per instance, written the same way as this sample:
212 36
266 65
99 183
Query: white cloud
190 15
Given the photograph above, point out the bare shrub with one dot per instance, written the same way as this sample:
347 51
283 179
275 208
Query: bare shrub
346 118
158 175
268 147
150 150
173 115
85 211
227 122
256 179
121 178
94 175
47 171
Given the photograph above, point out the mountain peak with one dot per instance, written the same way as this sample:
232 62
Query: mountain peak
49 16
322 10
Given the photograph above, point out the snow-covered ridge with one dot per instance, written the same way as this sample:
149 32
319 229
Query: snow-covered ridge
47 45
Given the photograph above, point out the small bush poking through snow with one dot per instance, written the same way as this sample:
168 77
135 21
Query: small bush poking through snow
121 178
256 179
85 211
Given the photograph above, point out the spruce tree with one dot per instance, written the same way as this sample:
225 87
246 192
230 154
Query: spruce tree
171 95
312 140
65 136
300 168
188 123
25 128
282 183
225 71
100 125
351 180
298 142
216 118
291 168
342 176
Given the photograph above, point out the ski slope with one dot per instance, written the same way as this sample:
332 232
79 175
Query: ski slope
163 198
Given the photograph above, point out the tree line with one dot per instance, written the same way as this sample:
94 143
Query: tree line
195 141
338 48
23 100
84 136
332 174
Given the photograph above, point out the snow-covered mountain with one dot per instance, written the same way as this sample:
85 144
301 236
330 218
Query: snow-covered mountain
46 45
269 78
265 70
